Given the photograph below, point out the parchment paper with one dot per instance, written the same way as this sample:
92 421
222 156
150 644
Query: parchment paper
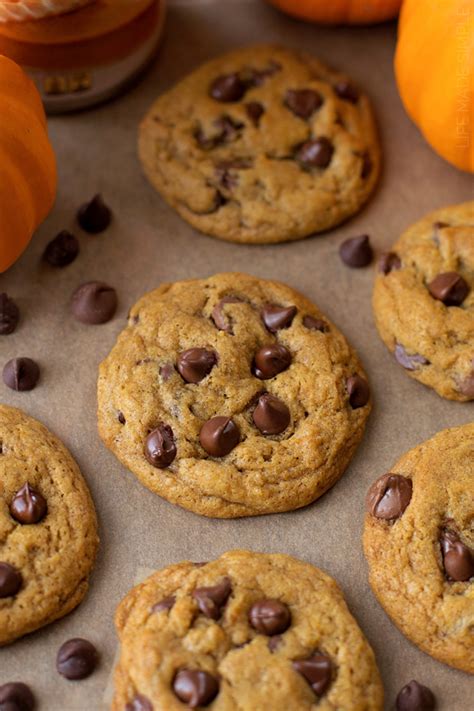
147 244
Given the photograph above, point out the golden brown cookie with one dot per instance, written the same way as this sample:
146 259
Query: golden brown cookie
419 543
48 527
248 631
260 145
424 301
232 396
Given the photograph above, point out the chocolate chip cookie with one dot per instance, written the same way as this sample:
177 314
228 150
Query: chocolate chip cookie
247 631
262 145
419 543
48 528
232 396
424 301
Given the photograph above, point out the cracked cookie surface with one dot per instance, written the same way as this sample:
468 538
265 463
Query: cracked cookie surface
48 527
262 145
424 301
419 544
262 631
274 418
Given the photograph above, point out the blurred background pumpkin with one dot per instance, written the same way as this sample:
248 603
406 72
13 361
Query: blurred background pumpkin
341 12
27 163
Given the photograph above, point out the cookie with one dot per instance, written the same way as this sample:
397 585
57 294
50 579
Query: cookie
419 543
232 396
48 528
262 145
247 631
424 301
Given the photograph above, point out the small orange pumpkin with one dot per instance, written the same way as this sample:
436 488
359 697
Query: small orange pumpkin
341 12
27 163
434 66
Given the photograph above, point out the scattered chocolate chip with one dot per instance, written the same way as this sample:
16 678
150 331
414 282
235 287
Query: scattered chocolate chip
277 317
28 506
195 688
271 360
358 390
166 604
160 447
271 416
315 153
415 697
94 216
303 102
389 262
10 580
139 703
254 111
408 361
62 250
227 88
166 371
450 288
270 617
347 91
317 670
77 659
121 418
458 559
94 302
218 315
314 324
356 251
9 315
16 696
389 496
212 600
195 364
21 374
367 166
219 436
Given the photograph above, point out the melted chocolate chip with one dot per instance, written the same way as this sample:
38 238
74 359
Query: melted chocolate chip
21 374
315 153
10 580
389 496
277 317
271 416
218 314
415 697
271 360
317 670
62 250
450 288
212 600
227 88
347 91
270 617
16 696
303 102
254 111
195 687
166 604
315 324
356 252
389 262
94 216
407 360
219 436
160 447
9 315
94 303
139 703
358 390
458 559
77 659
28 506
195 364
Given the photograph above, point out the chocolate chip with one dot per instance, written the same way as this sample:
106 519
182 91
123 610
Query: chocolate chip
195 363
227 131
138 703
10 580
389 496
227 88
166 604
347 91
219 436
415 697
195 688
408 361
62 250
317 670
160 447
438 225
16 696
94 302
121 418
367 166
303 102
218 315
314 324
274 643
76 659
315 153
254 111
212 600
358 390
28 506
226 172
389 262
94 216
277 317
271 360
271 416
356 251
450 288
9 315
21 374
458 559
270 617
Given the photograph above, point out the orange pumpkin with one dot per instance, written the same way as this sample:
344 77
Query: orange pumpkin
434 66
27 163
341 12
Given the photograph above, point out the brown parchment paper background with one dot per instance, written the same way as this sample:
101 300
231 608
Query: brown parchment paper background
148 244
